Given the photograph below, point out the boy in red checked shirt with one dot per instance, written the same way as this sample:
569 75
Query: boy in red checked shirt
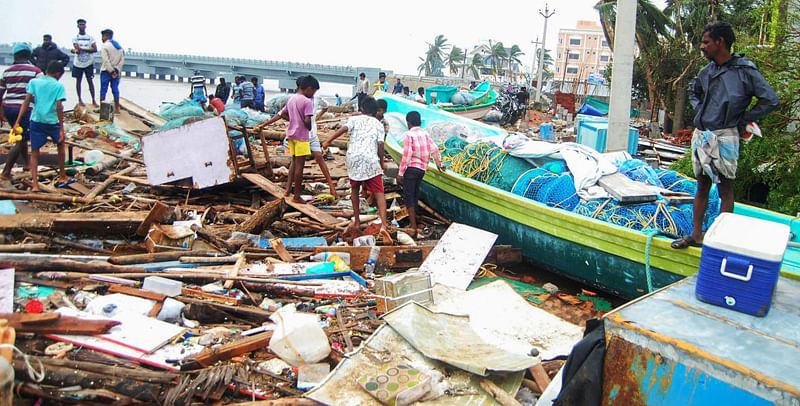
418 147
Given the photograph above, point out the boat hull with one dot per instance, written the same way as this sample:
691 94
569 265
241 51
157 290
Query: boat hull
611 273
475 114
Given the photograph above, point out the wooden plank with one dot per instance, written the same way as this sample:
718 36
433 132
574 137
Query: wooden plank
278 191
122 222
626 190
280 249
157 213
61 325
141 112
126 290
228 351
205 295
540 376
390 256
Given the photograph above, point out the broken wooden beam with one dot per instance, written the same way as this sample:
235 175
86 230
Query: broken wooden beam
262 218
36 323
106 183
390 256
212 239
278 192
29 247
84 223
228 351
157 213
44 197
157 257
68 265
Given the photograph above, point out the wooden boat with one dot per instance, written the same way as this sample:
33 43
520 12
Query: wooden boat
610 257
484 96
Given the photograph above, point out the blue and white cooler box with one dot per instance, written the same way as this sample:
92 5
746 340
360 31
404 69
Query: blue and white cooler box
740 263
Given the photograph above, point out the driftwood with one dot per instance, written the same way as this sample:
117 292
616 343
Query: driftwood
228 351
262 218
156 257
111 179
53 323
37 265
23 247
43 197
212 239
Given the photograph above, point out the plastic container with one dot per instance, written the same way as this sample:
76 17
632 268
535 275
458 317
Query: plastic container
326 256
93 156
325 267
741 262
546 132
372 261
440 94
298 339
364 240
595 135
161 285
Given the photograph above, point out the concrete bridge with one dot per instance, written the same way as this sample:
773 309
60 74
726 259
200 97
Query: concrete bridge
180 67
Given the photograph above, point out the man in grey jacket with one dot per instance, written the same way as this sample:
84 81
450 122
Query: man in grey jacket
721 94
48 52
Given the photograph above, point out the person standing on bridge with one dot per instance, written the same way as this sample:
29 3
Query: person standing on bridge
84 48
113 58
47 52
223 90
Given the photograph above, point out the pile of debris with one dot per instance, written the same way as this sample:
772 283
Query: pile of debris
172 271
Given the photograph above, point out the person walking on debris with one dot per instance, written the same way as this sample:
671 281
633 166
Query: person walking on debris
113 58
84 48
247 93
223 90
258 103
236 91
365 163
47 118
198 90
721 94
13 86
363 88
299 111
418 148
320 107
48 52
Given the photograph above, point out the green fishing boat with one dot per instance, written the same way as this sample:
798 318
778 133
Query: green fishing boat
616 259
483 99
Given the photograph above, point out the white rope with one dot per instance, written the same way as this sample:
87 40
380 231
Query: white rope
37 376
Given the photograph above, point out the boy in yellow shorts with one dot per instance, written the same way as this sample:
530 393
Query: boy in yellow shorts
299 111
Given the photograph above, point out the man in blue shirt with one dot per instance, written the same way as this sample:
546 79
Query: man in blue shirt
258 103
721 94
398 87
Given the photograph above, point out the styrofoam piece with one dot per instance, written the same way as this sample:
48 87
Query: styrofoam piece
163 286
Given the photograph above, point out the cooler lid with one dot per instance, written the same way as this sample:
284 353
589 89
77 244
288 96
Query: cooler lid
748 236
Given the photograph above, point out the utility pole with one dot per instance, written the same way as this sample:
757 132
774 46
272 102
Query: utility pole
546 14
535 55
619 117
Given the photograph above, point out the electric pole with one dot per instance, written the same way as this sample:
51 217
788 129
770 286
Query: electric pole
546 14
619 115
535 55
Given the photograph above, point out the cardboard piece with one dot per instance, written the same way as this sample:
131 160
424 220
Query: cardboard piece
459 254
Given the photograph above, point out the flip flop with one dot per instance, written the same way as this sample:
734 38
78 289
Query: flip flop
65 184
685 242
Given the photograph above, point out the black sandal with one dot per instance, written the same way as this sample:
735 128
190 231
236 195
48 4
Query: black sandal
685 242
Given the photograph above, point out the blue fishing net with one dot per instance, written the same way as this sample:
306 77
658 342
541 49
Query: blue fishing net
640 171
657 215
484 162
677 182
186 108
276 103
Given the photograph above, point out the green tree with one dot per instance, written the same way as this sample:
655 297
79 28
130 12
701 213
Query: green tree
455 59
497 55
474 66
433 60
514 55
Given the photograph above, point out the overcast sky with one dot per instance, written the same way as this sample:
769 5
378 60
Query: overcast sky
346 32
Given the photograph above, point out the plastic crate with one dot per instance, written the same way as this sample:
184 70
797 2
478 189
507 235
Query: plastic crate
740 263
442 93
594 134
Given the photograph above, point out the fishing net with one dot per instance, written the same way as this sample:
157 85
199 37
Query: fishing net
248 117
656 215
463 98
276 103
677 182
486 163
186 108
547 187
640 171
444 130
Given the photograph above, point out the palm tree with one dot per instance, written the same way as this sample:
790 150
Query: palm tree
513 56
497 54
474 67
433 62
455 59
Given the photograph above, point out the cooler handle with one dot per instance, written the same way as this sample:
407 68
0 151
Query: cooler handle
743 278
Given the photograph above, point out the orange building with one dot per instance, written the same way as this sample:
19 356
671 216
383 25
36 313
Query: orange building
582 51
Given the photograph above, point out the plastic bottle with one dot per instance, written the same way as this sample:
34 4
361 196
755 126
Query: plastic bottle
326 256
369 267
